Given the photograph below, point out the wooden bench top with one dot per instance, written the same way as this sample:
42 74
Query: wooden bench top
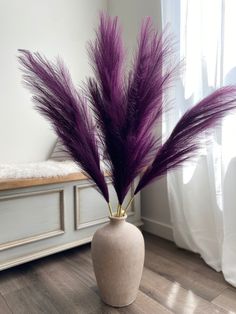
8 184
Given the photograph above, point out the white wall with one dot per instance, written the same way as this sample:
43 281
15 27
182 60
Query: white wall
53 27
154 200
131 14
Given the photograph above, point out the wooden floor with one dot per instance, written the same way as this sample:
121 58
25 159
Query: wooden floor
174 281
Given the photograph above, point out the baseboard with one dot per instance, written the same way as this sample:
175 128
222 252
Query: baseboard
158 228
43 253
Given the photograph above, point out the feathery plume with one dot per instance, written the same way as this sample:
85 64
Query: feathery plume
184 141
58 100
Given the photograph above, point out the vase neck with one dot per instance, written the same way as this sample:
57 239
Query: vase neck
117 220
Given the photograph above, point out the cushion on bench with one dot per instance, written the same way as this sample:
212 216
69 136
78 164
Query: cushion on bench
41 169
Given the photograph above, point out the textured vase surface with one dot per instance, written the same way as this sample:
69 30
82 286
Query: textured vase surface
118 257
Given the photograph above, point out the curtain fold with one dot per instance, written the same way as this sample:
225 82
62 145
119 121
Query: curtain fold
202 194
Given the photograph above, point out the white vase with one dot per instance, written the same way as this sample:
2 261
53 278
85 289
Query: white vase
118 257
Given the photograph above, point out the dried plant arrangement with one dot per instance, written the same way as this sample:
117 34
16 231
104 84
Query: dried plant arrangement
118 112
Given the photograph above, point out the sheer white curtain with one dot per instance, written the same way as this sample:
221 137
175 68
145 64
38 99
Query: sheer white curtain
202 194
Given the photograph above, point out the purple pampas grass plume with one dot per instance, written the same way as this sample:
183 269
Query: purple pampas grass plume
58 100
127 113
107 59
184 141
107 94
152 74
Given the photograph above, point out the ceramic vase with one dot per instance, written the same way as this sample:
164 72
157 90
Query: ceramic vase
118 257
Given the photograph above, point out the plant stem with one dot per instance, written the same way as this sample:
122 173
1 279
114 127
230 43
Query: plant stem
110 209
118 213
128 205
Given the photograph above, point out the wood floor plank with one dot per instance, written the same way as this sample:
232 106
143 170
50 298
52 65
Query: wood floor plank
189 279
82 265
68 291
187 259
144 305
77 260
174 297
13 279
4 309
227 300
54 293
30 300
169 250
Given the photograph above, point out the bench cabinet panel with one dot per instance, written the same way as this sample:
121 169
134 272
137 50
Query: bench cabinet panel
30 216
41 220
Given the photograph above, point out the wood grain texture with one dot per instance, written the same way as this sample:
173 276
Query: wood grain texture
8 184
173 296
173 281
4 309
227 300
184 267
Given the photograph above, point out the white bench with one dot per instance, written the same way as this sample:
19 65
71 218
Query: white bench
42 216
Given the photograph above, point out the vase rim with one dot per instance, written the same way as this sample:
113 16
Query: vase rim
114 218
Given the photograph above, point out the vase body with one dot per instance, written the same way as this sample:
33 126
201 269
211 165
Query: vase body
118 257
